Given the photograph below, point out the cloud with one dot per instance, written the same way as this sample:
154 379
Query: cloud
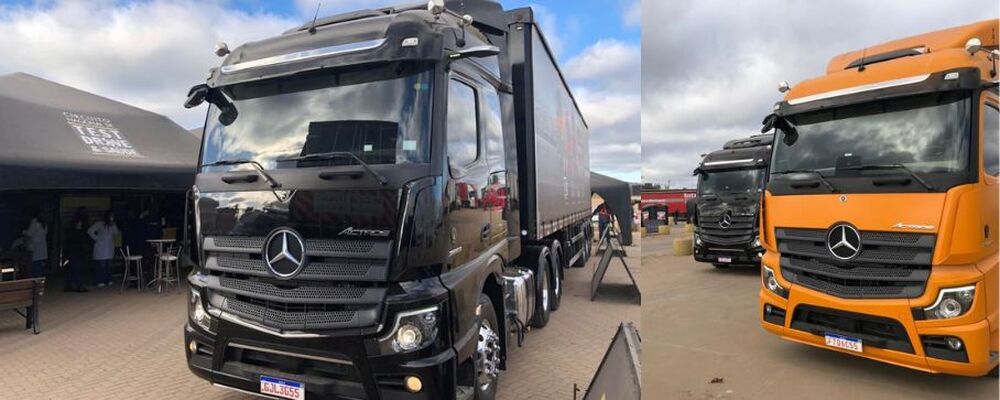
146 54
606 85
633 14
711 68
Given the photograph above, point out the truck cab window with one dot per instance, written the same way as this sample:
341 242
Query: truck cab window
493 129
991 136
463 135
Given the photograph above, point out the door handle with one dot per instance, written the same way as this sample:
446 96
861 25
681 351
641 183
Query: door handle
485 234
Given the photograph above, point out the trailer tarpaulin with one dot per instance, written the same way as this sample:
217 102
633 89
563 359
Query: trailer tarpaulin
618 196
56 137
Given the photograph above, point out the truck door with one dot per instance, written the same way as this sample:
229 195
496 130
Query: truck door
497 189
991 166
468 213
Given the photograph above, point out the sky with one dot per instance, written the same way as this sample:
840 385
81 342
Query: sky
149 53
712 67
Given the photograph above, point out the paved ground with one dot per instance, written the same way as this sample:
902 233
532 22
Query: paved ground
102 345
701 323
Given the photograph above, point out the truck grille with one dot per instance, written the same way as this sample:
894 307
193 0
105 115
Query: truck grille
342 286
890 265
740 232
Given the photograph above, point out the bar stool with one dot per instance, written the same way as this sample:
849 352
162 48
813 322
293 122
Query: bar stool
131 261
169 258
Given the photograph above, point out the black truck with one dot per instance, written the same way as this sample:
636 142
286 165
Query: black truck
730 183
386 201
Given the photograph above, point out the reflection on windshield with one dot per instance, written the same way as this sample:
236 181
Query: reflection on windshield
926 133
382 115
741 181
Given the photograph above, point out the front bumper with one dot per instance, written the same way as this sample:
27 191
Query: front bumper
745 254
330 367
910 349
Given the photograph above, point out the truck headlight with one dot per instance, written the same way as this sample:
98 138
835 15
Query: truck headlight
756 242
197 312
951 303
697 240
412 330
770 281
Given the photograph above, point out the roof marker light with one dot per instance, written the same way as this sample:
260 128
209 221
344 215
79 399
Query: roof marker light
304 55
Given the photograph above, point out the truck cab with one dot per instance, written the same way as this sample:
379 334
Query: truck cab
880 214
358 206
730 183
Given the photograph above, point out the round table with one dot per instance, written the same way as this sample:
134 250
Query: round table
158 278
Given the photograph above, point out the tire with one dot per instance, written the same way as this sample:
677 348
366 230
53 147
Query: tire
720 266
486 385
556 272
542 294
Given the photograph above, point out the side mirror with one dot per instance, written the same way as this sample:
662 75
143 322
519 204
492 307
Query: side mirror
196 96
475 52
768 123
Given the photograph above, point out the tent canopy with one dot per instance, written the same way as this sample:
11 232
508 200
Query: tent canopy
56 137
618 196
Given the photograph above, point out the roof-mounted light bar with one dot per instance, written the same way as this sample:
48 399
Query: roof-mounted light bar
727 162
304 55
860 89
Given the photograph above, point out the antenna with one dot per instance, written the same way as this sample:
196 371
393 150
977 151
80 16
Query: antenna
862 66
312 26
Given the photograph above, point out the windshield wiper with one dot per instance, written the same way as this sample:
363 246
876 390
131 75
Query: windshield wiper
902 167
338 154
818 174
256 166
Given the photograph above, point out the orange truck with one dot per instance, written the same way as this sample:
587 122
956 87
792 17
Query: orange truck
880 215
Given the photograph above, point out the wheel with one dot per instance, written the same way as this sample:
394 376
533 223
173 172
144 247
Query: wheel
542 294
556 273
720 266
487 355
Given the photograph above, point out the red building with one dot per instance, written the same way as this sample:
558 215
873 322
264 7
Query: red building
659 204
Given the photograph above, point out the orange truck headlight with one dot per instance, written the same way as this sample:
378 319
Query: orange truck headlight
951 303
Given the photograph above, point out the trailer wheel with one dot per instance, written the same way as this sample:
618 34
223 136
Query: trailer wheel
557 276
487 355
543 295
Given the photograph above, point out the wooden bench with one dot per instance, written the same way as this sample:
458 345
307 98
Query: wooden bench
23 293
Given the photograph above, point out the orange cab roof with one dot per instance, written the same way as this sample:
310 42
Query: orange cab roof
905 59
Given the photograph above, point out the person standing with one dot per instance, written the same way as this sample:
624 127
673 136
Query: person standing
103 234
38 246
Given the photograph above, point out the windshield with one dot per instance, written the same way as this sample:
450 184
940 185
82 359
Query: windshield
382 115
739 181
927 134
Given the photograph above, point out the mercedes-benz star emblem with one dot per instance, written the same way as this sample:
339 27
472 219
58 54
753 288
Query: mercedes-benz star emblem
843 241
284 253
726 221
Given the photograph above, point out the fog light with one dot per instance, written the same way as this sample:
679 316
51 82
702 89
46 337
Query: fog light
951 302
767 308
193 346
954 343
413 384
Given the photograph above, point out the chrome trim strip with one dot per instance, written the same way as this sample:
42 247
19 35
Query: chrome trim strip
261 395
860 88
238 321
454 252
304 55
942 292
745 160
288 353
